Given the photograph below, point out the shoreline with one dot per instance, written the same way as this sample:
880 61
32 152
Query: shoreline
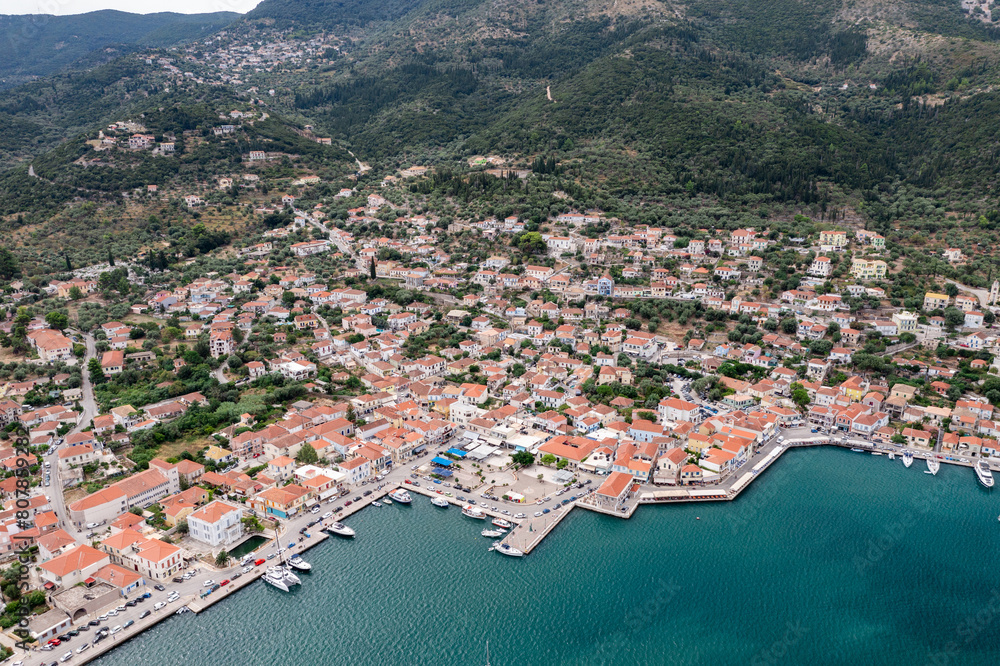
521 527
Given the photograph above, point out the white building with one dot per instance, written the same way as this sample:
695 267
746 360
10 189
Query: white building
216 524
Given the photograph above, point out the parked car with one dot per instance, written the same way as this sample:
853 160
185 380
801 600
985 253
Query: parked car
159 588
145 613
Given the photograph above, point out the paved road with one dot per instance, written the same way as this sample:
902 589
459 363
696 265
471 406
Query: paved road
88 411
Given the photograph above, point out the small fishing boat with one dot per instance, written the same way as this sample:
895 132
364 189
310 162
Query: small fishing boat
876 453
386 500
856 450
493 534
376 504
401 496
500 522
473 512
439 501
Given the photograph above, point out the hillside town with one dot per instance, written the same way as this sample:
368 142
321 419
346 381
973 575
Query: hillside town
177 410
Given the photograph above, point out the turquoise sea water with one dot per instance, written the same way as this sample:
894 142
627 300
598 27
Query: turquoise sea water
832 557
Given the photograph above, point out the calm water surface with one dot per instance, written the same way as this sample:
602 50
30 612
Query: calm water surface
832 557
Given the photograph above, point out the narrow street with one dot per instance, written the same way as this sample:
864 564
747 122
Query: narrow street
88 411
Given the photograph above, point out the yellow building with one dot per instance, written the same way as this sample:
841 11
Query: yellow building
834 238
933 301
864 269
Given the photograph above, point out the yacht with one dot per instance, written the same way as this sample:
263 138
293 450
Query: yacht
907 458
296 562
984 473
439 501
933 466
401 496
287 575
500 522
493 534
507 549
276 579
340 529
473 512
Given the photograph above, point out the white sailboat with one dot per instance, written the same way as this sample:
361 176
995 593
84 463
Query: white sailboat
507 549
275 579
932 466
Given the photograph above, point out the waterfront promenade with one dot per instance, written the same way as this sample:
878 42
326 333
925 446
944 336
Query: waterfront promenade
526 534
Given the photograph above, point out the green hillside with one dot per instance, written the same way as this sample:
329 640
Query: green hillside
38 45
830 104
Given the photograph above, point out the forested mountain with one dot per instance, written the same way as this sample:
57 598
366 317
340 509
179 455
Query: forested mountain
784 103
36 44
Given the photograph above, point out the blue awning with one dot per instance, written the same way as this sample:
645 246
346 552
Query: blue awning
458 453
443 462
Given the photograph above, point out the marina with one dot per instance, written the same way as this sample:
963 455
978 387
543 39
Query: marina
785 568
526 533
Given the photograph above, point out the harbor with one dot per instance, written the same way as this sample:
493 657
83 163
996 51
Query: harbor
525 535
425 571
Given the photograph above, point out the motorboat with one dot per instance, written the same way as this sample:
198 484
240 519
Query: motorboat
275 579
401 496
892 456
376 504
386 500
876 453
473 512
439 501
507 549
907 458
296 562
500 522
984 473
340 529
857 450
933 466
493 534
